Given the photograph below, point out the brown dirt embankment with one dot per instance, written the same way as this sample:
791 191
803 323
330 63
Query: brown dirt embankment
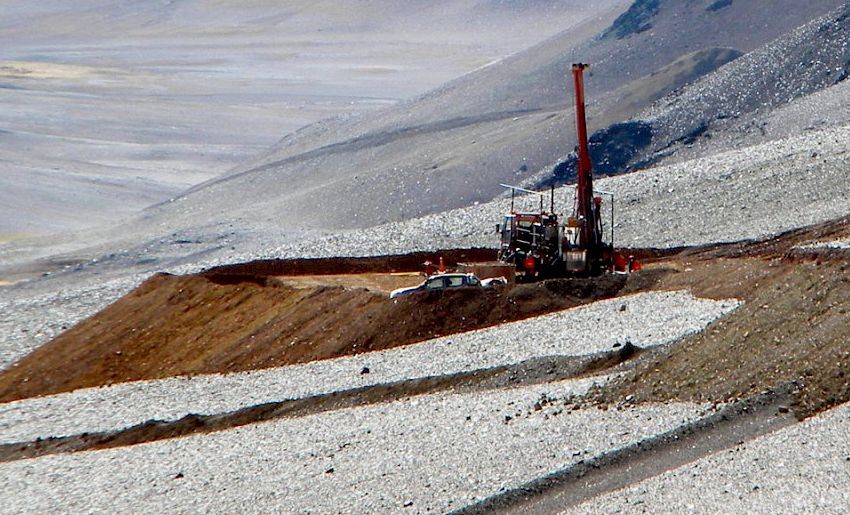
226 322
793 327
352 265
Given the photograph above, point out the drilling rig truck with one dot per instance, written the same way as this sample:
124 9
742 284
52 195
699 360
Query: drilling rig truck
538 244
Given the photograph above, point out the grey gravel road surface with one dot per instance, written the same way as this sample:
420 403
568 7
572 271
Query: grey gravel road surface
801 469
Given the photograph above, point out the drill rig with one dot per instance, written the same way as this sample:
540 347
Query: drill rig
538 244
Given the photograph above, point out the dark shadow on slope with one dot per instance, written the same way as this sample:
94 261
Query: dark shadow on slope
718 5
634 21
611 149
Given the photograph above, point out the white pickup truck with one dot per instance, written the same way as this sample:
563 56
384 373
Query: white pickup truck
447 281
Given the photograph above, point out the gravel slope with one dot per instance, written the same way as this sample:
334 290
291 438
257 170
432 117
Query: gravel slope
804 61
425 454
802 469
829 107
740 194
26 322
648 319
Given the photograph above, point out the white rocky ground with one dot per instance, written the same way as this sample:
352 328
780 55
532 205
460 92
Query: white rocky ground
57 310
801 469
646 320
425 454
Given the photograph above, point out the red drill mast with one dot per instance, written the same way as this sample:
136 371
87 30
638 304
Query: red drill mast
586 211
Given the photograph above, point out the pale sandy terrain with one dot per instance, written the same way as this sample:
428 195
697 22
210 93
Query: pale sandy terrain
108 107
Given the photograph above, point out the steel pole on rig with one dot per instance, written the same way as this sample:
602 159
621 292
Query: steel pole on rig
584 182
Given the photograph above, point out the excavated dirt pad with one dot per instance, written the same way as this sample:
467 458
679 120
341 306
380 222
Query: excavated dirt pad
175 325
357 265
381 283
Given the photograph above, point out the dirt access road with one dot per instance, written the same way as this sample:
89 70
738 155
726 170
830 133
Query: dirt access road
375 282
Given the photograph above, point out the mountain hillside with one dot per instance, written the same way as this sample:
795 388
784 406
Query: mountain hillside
812 58
109 106
511 122
454 145
722 105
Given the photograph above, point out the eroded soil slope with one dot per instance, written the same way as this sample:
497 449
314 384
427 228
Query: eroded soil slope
793 327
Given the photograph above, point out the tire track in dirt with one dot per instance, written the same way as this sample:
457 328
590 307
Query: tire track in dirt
732 425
